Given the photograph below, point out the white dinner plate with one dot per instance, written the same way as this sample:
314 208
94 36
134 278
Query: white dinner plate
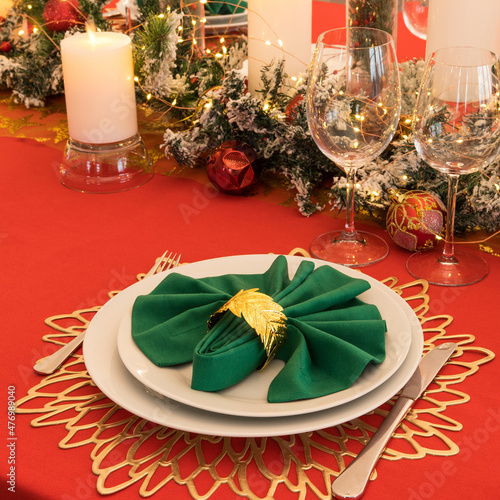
115 381
249 397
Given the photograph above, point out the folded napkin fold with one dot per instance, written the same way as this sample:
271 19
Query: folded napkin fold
225 8
332 335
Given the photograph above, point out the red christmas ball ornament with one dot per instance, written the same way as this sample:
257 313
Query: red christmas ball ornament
5 47
415 220
60 15
233 167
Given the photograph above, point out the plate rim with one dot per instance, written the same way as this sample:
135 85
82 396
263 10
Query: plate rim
113 379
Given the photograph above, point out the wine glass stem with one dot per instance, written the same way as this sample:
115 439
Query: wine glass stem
448 255
349 229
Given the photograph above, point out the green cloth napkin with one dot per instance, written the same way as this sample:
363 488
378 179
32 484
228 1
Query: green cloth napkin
332 335
227 7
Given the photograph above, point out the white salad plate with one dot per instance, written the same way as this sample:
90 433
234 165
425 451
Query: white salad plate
249 397
115 380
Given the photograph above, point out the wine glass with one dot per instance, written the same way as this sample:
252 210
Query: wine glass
353 104
456 130
415 14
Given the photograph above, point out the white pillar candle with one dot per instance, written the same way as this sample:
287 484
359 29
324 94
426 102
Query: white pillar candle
473 23
278 29
98 76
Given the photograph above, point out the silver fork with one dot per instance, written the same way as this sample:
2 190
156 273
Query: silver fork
51 363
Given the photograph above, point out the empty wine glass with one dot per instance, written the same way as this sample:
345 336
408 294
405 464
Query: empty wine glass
456 131
353 105
415 14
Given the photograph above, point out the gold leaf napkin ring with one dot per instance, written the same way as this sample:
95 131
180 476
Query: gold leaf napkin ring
262 314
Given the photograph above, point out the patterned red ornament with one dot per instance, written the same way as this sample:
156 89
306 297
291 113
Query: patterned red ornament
59 15
415 220
233 167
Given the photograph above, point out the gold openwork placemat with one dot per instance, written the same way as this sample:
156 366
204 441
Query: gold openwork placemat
127 450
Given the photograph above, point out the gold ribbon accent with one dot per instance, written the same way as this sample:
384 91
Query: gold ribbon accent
262 314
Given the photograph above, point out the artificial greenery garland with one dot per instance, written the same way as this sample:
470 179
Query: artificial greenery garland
32 66
205 102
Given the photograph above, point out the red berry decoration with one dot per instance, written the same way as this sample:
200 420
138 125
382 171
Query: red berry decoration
59 15
5 47
415 220
291 108
233 167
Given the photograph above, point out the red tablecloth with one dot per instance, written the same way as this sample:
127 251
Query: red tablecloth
61 251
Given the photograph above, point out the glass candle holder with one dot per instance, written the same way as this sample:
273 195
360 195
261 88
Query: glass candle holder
105 153
105 168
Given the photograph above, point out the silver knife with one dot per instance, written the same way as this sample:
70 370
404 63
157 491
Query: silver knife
351 483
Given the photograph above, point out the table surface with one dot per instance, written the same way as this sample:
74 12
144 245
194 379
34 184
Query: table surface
63 251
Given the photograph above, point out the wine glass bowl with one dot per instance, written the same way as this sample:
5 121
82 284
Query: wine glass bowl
415 13
353 104
456 130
